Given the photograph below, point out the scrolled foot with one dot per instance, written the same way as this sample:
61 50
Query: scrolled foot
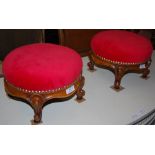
80 94
37 117
37 102
117 84
119 73
90 65
146 71
145 74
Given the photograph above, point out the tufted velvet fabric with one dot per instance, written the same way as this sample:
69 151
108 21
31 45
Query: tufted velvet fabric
122 46
42 67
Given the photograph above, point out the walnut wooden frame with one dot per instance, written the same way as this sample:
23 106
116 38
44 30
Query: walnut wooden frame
119 69
38 99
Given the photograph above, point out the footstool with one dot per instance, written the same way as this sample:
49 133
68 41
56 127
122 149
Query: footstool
40 72
121 52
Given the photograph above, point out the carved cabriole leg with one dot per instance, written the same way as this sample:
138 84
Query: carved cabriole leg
90 64
37 101
120 69
80 92
146 70
119 73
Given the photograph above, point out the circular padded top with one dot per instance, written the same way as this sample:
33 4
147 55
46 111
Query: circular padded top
42 67
122 46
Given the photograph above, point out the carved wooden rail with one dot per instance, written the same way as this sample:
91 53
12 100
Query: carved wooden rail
38 99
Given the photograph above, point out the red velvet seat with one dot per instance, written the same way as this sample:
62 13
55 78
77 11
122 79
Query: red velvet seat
122 46
42 67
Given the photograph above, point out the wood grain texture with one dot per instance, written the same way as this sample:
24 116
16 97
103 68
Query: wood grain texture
38 100
119 70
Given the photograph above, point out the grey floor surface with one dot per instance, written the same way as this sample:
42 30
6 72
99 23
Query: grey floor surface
103 106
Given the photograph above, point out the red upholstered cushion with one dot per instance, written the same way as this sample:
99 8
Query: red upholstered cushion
42 67
122 46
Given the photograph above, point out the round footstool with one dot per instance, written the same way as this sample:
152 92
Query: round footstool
122 52
41 72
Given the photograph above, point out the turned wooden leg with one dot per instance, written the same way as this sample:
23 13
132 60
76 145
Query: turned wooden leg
37 104
80 92
119 72
146 70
